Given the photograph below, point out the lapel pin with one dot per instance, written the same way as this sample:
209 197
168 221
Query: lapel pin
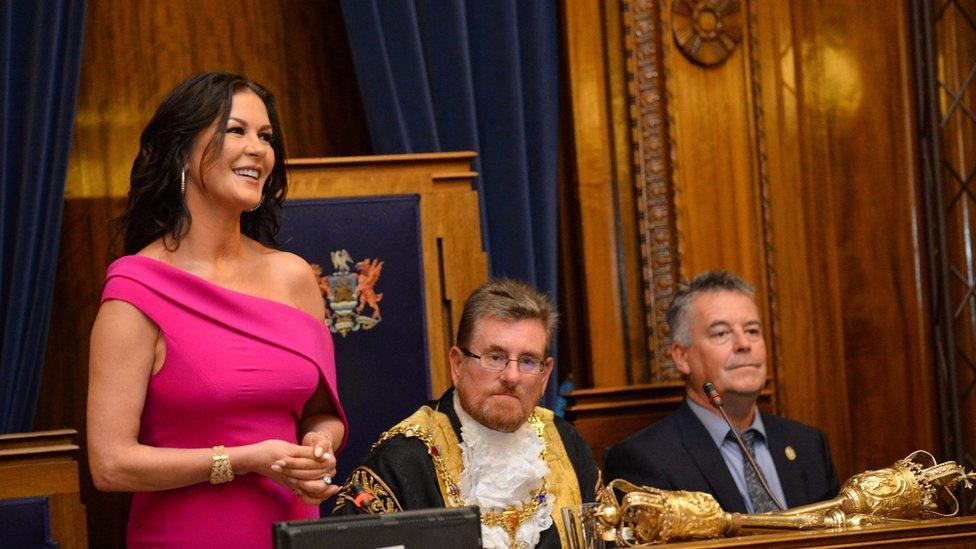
790 453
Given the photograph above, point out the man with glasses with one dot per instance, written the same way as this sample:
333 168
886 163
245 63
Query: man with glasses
486 442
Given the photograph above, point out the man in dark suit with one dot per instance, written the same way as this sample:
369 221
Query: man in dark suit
718 338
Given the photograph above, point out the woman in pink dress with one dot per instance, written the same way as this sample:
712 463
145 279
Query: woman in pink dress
212 391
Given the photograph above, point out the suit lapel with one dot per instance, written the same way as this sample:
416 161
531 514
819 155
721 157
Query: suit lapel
791 475
708 459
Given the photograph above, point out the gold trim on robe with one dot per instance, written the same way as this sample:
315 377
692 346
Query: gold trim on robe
435 431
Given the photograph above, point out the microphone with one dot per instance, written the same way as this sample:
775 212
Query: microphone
361 499
712 393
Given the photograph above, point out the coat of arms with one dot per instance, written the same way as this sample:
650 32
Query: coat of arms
349 294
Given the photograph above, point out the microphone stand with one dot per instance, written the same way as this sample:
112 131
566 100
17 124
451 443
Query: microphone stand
716 401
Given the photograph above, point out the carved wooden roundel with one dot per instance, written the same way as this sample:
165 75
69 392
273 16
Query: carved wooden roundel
707 31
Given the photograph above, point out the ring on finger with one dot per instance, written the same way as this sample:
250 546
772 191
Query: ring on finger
327 479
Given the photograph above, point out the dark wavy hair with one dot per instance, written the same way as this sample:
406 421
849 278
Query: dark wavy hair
156 207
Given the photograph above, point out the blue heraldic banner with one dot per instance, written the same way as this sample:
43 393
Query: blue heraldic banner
367 255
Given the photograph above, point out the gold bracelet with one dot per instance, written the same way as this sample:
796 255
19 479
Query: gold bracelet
220 469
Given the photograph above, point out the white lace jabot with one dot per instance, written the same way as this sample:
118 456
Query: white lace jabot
500 471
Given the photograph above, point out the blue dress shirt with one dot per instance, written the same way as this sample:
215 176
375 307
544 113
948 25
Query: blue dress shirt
732 454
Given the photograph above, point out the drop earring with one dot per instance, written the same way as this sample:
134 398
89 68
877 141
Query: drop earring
183 182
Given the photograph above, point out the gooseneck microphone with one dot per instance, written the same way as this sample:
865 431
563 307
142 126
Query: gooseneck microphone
712 393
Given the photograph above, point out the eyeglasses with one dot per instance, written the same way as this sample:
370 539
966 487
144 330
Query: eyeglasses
496 361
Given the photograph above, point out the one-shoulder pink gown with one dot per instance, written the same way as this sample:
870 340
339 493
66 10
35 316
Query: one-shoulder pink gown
238 370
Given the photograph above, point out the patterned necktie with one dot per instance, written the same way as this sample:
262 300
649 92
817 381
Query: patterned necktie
761 501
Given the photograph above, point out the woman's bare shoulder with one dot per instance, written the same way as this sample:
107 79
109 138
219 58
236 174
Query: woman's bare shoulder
289 265
300 280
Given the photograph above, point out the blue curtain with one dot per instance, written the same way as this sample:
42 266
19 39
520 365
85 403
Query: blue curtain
476 75
40 57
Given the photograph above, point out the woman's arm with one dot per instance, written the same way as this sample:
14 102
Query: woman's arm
123 344
320 427
319 414
322 431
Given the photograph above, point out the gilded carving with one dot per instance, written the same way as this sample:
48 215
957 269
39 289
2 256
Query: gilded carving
653 185
914 487
707 31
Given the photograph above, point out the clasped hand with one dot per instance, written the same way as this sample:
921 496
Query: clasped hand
301 468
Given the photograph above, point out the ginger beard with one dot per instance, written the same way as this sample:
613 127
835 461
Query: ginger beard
505 410
503 400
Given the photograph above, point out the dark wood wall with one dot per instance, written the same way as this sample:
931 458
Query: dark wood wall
135 52
792 161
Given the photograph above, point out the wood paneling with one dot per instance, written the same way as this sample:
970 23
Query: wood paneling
793 164
44 464
863 209
715 184
594 190
626 186
134 53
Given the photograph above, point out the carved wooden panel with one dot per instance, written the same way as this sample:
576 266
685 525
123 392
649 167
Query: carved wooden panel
681 193
653 186
790 162
707 31
693 194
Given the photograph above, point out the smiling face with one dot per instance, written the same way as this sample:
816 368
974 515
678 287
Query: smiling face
235 175
726 347
501 400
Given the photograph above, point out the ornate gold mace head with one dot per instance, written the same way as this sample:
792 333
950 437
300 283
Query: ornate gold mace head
646 514
916 487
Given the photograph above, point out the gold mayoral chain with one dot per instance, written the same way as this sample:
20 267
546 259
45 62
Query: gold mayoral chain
510 519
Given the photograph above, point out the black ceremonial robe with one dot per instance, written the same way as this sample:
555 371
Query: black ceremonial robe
413 464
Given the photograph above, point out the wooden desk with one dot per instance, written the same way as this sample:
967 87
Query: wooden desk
949 532
43 463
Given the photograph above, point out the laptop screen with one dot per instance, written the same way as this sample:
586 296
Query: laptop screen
458 528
